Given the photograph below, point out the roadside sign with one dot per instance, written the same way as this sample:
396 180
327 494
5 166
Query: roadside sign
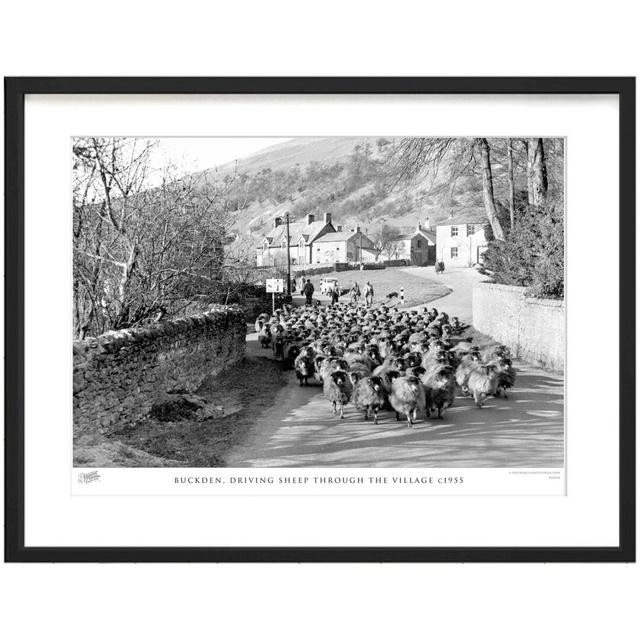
275 285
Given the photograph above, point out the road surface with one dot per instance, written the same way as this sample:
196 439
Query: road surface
525 430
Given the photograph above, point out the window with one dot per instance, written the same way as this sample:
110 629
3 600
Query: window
419 244
471 229
454 231
454 252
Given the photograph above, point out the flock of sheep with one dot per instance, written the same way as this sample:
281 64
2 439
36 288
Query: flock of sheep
380 358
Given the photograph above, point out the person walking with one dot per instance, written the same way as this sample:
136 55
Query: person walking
335 293
308 290
355 293
368 294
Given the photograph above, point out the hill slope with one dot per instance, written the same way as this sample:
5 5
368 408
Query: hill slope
297 151
348 176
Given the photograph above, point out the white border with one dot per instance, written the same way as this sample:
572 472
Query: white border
587 516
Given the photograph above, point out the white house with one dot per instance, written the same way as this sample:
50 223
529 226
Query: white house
460 240
302 235
343 246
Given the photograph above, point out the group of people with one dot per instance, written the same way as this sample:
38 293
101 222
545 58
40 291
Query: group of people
354 293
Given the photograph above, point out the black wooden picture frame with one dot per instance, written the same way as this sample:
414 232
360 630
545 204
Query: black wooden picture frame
15 91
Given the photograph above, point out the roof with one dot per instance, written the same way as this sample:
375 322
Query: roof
337 236
296 230
468 217
428 234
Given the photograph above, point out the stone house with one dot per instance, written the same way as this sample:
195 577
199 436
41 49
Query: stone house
302 235
460 240
417 247
343 246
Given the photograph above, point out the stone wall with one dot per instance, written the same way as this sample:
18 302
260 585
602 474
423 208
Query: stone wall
533 328
118 376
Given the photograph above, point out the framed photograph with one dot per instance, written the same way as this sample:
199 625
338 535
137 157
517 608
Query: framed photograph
320 319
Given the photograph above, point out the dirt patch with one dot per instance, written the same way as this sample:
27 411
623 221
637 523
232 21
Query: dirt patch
180 437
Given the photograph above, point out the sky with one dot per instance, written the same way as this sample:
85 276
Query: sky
197 154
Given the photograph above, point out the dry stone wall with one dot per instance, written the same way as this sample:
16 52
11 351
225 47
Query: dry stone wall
532 328
117 377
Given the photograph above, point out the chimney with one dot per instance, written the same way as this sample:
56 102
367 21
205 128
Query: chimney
327 218
310 218
277 221
427 224
418 227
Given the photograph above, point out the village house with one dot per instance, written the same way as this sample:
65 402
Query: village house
314 242
460 240
344 246
417 247
302 235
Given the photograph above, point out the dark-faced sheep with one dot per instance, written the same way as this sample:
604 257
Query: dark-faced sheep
407 397
292 351
329 365
440 389
483 382
338 389
264 337
304 369
369 396
506 375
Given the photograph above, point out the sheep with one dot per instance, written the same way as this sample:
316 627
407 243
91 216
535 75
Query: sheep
329 365
457 326
506 375
260 321
278 344
483 382
264 337
440 388
369 395
317 366
360 368
291 353
495 351
304 369
407 397
467 364
413 359
361 359
338 388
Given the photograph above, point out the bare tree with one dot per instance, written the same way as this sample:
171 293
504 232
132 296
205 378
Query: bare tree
386 240
140 248
429 157
512 188
487 189
536 173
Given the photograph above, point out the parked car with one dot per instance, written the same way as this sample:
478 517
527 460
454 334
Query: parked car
326 284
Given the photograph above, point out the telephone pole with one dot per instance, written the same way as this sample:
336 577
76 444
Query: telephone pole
286 216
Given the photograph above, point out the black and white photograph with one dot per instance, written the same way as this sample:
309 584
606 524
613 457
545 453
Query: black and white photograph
319 302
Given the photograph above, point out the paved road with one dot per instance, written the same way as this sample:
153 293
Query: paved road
525 430
460 281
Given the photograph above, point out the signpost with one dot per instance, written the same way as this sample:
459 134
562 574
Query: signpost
274 285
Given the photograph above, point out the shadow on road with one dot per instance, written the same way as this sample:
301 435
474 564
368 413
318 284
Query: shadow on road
525 430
